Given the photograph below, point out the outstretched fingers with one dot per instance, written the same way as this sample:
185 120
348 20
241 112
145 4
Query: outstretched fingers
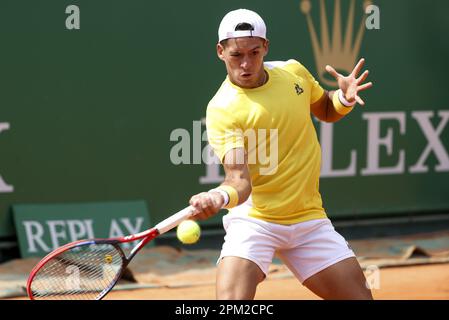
358 68
332 72
359 100
363 77
364 86
361 88
352 84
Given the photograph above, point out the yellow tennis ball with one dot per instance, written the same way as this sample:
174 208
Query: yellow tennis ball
188 232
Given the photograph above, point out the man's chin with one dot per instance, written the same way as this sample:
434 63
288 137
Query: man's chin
246 83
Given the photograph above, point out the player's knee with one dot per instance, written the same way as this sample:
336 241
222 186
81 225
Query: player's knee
225 294
234 294
232 290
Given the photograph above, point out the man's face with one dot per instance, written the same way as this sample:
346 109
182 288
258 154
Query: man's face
244 60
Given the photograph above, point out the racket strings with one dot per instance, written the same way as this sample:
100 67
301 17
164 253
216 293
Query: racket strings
79 273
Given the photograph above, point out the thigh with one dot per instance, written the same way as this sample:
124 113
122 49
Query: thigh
343 280
249 239
246 255
237 279
315 247
323 261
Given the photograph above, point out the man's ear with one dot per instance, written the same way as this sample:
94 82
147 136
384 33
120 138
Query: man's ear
220 51
266 46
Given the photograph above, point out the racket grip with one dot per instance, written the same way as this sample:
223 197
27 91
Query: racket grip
174 220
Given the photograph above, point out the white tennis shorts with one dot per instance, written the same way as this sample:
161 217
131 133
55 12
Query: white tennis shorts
306 248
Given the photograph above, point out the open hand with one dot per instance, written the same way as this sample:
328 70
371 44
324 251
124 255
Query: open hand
351 85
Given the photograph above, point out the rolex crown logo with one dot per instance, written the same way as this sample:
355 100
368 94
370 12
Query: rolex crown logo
339 52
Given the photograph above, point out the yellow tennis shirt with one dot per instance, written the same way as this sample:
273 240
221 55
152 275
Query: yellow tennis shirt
274 125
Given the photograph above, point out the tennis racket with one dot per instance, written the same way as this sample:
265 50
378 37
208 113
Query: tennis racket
89 269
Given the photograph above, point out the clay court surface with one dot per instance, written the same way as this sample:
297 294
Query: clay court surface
401 268
423 282
399 283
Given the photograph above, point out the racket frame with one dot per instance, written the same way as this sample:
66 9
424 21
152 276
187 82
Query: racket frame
145 237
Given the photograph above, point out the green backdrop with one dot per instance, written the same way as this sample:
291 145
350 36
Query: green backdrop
87 113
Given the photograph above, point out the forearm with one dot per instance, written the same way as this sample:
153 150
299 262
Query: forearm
240 183
328 109
237 183
235 189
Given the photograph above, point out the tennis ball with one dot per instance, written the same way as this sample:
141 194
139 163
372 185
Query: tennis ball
188 232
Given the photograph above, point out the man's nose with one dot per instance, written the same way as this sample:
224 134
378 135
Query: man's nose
245 64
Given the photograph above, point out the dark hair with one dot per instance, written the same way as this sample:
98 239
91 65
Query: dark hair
242 26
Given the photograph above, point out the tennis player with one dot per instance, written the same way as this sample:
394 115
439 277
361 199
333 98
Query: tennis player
274 202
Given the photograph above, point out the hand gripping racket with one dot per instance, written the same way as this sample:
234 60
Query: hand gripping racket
89 269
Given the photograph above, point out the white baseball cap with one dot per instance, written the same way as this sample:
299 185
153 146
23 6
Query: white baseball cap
241 23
